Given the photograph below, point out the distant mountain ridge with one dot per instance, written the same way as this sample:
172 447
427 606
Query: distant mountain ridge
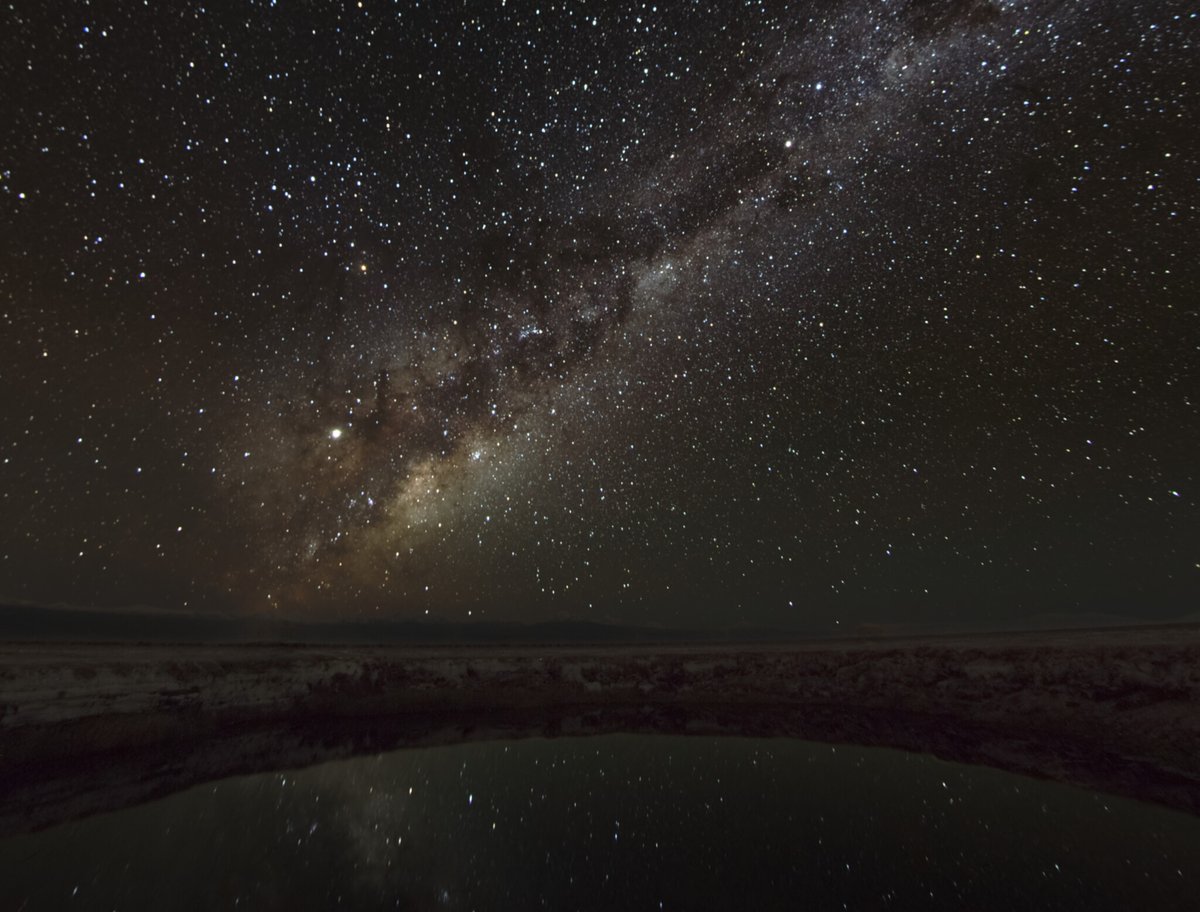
37 623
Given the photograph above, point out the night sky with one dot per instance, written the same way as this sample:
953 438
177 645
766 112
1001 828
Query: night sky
682 314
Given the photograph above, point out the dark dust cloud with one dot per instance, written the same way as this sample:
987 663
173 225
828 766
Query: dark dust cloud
685 314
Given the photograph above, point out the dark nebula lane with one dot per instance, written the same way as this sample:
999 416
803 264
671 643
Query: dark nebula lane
805 315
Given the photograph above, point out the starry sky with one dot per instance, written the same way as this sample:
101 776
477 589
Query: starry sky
682 314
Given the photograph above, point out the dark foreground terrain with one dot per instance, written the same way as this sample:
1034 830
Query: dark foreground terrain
85 728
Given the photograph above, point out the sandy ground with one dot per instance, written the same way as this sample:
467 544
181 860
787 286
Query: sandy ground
89 727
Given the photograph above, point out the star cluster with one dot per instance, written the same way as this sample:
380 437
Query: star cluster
753 313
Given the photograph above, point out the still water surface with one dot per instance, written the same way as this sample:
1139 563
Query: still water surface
618 822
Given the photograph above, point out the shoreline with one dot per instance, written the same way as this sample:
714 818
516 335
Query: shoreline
89 727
